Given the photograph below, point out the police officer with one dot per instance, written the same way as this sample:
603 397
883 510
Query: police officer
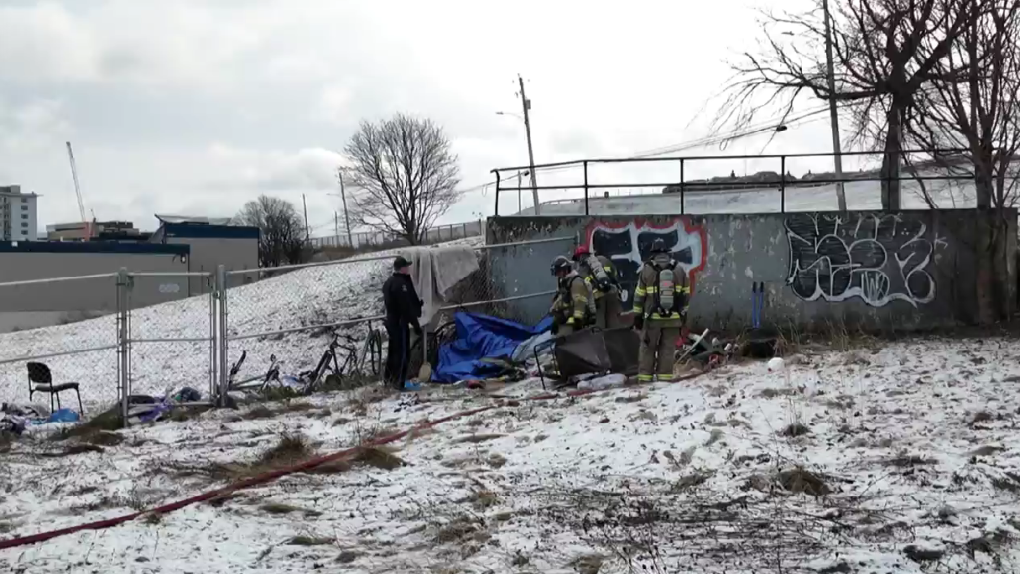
403 308
660 309
604 286
573 306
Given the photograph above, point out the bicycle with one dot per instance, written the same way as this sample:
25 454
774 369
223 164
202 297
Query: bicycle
258 382
353 364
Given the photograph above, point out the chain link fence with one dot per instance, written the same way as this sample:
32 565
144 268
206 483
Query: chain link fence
77 352
304 318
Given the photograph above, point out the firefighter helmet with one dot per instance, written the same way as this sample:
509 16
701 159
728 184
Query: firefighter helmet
581 252
559 264
658 246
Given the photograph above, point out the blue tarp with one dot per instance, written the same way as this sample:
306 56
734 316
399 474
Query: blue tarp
480 337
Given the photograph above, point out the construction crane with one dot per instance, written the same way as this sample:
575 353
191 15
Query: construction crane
77 191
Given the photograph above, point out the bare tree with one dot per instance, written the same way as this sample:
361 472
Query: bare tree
281 230
405 176
977 109
884 53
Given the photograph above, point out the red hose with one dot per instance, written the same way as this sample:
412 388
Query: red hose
265 477
240 485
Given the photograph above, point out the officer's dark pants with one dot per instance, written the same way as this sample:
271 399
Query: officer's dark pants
397 353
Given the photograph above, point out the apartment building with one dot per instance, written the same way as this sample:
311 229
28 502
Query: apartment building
17 214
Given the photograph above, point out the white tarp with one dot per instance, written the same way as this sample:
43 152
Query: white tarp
435 270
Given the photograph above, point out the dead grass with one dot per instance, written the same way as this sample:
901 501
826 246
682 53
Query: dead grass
280 508
290 450
478 438
81 449
184 414
795 430
457 529
483 500
105 422
309 541
904 460
801 481
772 393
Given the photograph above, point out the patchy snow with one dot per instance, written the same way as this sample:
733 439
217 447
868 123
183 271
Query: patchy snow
306 297
912 441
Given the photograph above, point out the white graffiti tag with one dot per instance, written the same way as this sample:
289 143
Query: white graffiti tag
839 257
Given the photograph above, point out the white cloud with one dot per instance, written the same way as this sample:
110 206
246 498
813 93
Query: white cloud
205 104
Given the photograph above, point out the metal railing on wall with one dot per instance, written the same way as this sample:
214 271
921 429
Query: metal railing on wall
776 177
190 343
436 234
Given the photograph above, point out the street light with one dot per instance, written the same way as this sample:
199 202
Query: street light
531 153
518 116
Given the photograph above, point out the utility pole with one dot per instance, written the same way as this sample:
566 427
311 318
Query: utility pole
343 198
308 232
834 117
526 105
336 226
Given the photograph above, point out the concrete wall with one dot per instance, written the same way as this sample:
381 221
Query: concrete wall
41 260
911 269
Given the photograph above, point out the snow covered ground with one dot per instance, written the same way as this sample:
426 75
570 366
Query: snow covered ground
907 451
307 297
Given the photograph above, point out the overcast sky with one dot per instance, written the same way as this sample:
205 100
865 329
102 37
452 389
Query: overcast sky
195 107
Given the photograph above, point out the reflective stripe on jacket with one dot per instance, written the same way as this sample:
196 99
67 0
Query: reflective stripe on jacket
645 300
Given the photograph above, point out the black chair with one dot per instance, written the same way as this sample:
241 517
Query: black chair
39 375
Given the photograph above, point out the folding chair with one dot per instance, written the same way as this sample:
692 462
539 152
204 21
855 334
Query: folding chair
40 376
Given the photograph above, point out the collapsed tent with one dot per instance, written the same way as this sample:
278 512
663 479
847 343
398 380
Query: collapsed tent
481 337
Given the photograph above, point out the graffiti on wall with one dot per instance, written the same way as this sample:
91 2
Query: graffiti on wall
627 245
878 258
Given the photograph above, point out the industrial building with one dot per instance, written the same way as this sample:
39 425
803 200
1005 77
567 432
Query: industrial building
181 244
17 214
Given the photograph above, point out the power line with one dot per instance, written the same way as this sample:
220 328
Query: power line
757 128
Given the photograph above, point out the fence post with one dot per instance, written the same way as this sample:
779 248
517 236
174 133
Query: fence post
585 187
496 212
782 184
213 371
221 334
123 342
681 186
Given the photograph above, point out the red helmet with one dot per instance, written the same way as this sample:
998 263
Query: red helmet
581 251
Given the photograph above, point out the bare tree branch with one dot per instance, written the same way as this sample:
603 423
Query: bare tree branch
405 176
884 53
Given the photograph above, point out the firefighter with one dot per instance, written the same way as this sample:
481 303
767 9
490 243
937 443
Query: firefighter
600 274
573 306
660 310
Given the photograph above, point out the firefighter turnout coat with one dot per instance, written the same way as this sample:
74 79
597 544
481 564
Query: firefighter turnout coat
646 296
573 305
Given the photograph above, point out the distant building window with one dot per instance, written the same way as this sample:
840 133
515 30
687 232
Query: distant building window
24 207
24 216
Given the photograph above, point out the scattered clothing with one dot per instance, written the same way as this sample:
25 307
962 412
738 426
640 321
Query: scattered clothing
434 272
64 416
604 382
573 305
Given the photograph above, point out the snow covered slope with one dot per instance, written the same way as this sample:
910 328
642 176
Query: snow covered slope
905 462
313 296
